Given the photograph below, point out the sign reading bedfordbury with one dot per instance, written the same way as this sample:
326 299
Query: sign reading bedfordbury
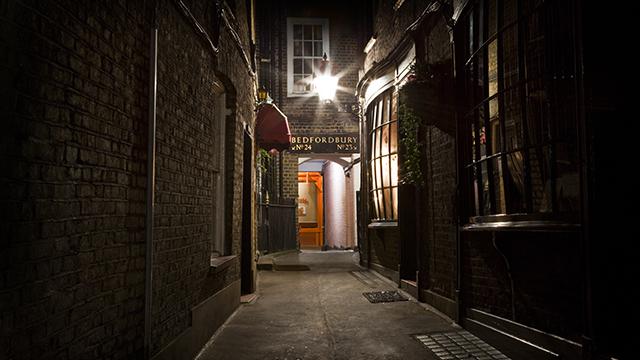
345 143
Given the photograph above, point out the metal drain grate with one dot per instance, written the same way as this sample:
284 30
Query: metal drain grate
384 296
459 345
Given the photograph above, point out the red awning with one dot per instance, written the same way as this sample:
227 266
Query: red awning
272 128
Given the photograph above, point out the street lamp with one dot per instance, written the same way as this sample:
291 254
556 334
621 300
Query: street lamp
325 83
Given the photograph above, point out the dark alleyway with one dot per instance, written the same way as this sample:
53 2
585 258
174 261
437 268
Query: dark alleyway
472 154
322 314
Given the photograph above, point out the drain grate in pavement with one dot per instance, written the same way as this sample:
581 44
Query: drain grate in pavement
384 296
365 277
459 345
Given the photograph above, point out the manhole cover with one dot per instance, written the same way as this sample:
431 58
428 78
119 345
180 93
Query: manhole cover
384 296
459 345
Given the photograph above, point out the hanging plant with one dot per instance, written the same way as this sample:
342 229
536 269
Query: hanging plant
410 167
263 158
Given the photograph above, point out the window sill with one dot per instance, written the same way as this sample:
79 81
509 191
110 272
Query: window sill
383 224
220 263
520 222
302 95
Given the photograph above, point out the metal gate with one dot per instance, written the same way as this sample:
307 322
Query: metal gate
277 227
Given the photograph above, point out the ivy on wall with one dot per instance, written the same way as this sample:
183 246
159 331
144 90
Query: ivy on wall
409 125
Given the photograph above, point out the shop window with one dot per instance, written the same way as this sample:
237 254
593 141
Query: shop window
383 157
307 42
519 108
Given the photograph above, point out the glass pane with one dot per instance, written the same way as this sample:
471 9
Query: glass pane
298 84
316 67
394 203
394 170
540 179
474 140
493 17
297 32
386 176
470 84
308 68
493 67
379 173
513 119
297 66
375 143
483 138
394 107
534 46
537 112
307 83
510 56
477 190
374 177
374 205
480 93
380 115
471 33
380 204
387 203
393 137
317 48
510 12
308 48
568 181
297 48
308 32
515 182
485 200
384 150
498 185
496 143
317 32
479 22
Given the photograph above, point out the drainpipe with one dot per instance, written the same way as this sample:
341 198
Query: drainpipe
151 169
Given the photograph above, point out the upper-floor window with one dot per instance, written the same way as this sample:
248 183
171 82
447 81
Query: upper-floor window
307 42
519 108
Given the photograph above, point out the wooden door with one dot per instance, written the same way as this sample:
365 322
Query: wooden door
310 210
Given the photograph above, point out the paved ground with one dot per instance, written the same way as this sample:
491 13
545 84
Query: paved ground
322 314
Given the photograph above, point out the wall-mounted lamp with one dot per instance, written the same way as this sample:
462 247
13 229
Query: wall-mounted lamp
263 94
325 83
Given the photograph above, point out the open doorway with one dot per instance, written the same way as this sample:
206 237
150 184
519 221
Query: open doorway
327 203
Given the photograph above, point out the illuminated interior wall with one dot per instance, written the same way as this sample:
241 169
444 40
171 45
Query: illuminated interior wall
339 216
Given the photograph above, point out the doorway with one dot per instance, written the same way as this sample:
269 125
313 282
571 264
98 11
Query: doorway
310 210
246 254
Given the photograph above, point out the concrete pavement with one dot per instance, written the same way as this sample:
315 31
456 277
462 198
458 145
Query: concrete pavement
322 314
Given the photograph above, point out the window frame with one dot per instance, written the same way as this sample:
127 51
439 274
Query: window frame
219 245
377 119
476 37
291 21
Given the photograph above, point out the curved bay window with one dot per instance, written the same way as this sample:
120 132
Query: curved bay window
382 118
515 60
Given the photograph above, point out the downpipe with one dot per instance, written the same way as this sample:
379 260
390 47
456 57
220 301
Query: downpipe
151 169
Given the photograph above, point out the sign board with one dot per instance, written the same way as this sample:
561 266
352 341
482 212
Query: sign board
343 143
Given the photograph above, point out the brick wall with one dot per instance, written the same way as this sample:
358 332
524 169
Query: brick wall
546 297
390 25
186 158
73 86
439 193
